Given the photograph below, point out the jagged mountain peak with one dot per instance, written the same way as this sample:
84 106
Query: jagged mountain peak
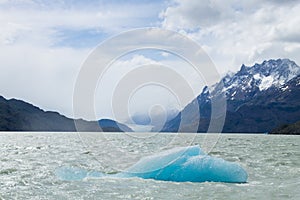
283 67
250 80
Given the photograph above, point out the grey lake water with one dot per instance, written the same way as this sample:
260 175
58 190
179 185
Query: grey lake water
28 162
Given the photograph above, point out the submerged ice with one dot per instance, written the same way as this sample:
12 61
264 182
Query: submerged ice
179 164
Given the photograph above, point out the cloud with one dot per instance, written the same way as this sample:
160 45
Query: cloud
44 77
58 21
194 14
43 44
238 32
144 97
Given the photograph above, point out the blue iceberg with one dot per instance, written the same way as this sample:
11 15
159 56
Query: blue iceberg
179 164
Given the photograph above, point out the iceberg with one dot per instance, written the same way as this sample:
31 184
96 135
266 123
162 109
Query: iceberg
181 164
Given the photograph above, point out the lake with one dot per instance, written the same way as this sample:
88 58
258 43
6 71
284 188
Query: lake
29 160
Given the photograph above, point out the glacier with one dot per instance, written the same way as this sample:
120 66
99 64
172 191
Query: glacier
181 164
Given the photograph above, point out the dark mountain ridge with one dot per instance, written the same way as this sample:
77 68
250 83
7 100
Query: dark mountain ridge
17 115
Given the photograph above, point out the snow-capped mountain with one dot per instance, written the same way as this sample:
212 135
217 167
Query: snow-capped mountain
250 85
249 81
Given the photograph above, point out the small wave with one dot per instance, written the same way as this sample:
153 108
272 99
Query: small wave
7 171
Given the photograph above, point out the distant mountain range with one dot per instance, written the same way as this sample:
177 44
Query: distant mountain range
17 115
259 99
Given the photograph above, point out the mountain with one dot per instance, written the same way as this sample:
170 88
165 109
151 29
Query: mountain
17 115
259 98
109 125
267 110
290 129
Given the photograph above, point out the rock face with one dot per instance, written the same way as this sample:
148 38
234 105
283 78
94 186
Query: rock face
289 129
16 115
259 98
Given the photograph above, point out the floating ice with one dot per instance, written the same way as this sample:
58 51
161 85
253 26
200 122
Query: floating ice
178 164
76 173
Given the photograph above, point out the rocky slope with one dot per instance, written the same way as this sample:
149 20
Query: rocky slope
290 129
259 98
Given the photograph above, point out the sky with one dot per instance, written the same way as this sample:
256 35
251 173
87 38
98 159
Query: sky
43 44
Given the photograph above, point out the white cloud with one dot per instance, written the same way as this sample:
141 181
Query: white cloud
35 66
239 32
40 18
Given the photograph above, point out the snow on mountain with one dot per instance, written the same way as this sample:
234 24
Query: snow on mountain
251 80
